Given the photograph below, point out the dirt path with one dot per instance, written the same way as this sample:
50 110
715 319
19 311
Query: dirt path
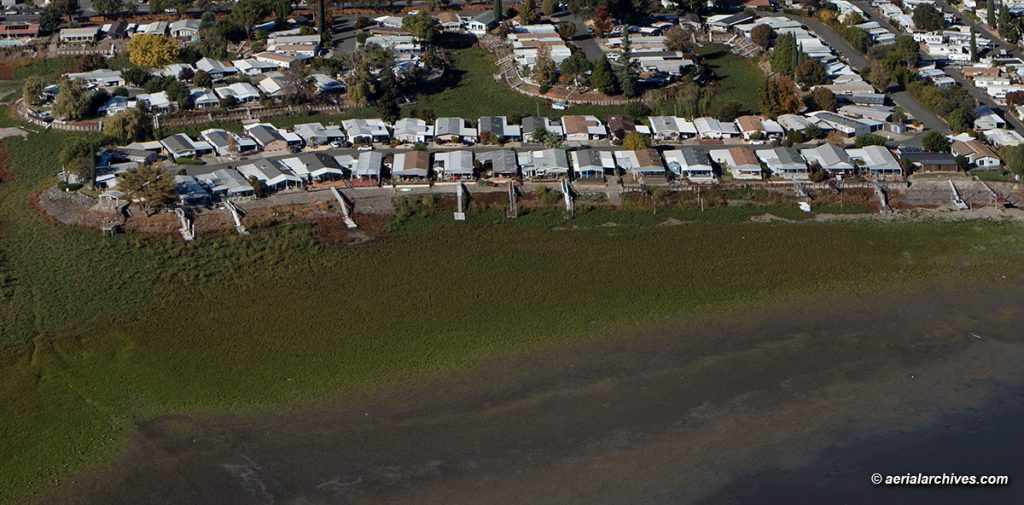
667 415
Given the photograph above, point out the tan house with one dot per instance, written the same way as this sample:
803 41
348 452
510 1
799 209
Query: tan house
977 153
411 165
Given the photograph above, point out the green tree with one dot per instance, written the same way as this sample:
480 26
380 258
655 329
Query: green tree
49 18
869 139
544 68
148 186
498 13
728 111
282 9
809 73
77 158
73 99
548 7
823 99
783 58
905 50
602 78
859 38
539 136
575 67
675 39
1007 27
627 75
880 74
528 12
637 110
32 89
974 46
762 35
990 13
202 79
1013 158
135 75
108 8
67 8
960 120
636 142
812 131
567 31
387 105
927 18
248 13
129 126
935 142
423 26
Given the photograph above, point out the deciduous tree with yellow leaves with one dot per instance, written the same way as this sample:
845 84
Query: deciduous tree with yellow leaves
152 50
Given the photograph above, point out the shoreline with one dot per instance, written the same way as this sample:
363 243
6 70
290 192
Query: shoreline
652 416
376 209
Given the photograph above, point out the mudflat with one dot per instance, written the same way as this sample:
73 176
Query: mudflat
673 413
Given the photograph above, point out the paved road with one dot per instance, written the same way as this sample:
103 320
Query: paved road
584 40
998 43
859 61
955 71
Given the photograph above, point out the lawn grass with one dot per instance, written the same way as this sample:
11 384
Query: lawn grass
47 68
737 78
101 331
994 175
475 93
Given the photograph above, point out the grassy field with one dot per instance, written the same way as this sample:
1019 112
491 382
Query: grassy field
48 68
101 331
737 79
478 94
474 93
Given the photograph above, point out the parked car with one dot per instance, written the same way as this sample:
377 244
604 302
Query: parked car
367 147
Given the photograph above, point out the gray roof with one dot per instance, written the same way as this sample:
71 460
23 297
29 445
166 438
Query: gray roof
491 124
226 180
264 134
503 161
789 155
269 169
369 164
928 158
219 138
533 123
178 143
588 158
456 162
486 17
695 156
663 123
832 117
318 161
828 155
448 126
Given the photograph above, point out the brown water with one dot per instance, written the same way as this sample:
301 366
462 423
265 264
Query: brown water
723 411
